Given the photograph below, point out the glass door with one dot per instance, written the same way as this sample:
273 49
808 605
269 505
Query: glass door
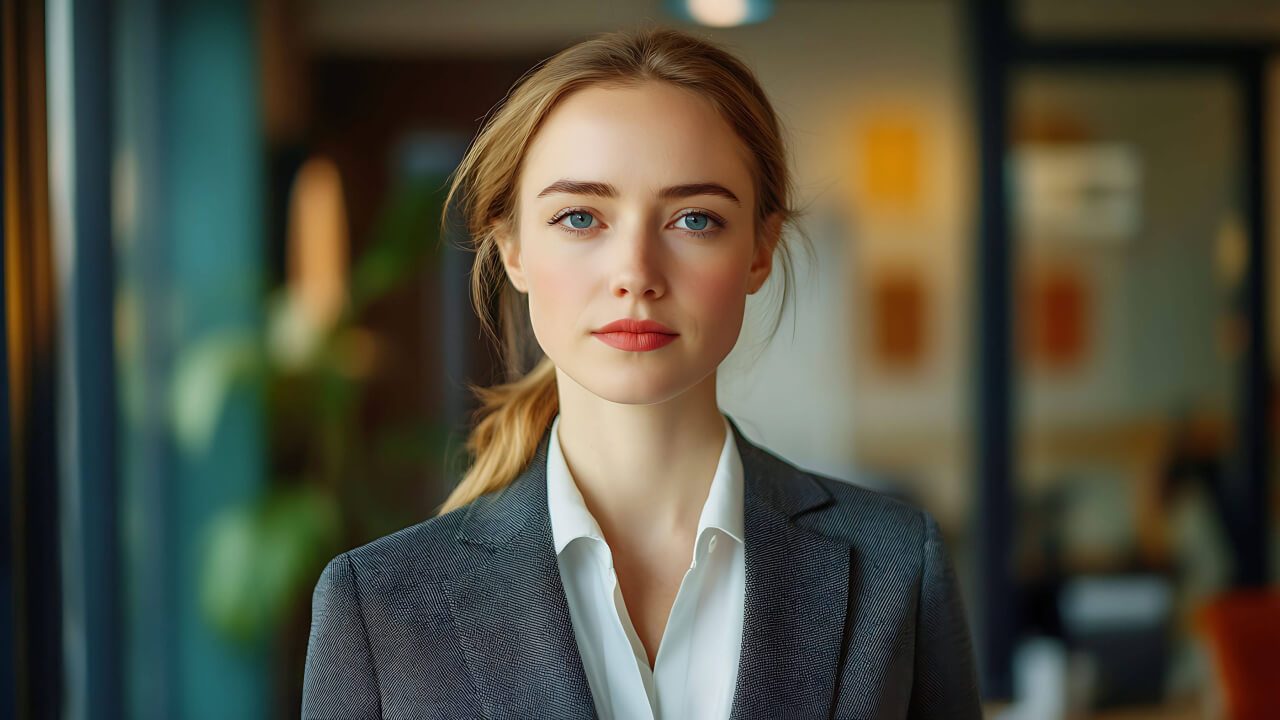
1129 247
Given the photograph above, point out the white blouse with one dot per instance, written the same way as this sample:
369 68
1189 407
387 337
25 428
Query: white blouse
697 662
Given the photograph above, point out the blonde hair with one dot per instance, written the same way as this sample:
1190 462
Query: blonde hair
514 416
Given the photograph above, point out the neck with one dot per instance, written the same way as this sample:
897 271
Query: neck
644 471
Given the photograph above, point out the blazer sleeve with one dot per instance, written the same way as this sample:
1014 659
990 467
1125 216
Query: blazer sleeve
340 679
946 683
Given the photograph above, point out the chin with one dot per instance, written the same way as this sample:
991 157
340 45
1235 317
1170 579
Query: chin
634 386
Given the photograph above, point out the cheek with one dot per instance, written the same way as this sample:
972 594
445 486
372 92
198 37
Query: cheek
719 293
556 287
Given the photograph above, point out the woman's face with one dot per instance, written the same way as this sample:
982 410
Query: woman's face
636 203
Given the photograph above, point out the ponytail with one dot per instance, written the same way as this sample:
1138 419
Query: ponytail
513 418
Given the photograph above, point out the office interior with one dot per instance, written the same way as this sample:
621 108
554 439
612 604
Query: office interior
1041 302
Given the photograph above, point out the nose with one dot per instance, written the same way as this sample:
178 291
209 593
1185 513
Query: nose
638 268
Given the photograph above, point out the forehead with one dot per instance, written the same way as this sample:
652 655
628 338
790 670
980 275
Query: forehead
638 139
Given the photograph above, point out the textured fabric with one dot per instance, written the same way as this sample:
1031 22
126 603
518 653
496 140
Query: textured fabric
851 611
697 661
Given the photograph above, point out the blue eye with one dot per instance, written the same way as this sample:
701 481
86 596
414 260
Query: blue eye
695 221
699 223
580 221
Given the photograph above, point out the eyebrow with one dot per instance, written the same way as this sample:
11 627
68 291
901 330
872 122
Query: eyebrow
599 189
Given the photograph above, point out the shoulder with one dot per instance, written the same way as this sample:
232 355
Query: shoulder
413 567
884 529
383 629
428 549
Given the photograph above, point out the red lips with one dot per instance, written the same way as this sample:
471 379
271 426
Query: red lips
636 335
637 326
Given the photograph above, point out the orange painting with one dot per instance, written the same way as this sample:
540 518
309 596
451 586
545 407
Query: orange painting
898 322
1055 319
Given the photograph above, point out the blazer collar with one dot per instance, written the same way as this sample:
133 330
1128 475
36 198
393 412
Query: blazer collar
513 618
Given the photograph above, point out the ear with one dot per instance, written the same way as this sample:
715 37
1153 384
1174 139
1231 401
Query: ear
762 260
512 260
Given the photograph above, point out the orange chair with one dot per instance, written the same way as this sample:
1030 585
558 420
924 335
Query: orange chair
1242 630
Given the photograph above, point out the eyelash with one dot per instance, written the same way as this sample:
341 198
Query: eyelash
720 224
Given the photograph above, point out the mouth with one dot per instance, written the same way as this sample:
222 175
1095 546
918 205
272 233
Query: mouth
635 341
636 335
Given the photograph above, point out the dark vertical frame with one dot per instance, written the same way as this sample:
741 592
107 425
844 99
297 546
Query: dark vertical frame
86 433
999 51
1248 486
8 649
993 367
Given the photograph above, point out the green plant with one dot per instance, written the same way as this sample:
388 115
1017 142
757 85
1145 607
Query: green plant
260 556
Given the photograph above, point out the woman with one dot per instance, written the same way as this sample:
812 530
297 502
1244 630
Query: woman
618 549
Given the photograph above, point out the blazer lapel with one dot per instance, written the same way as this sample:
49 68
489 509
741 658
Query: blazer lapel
513 620
511 613
797 585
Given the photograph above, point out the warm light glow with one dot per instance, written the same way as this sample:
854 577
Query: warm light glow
719 13
317 259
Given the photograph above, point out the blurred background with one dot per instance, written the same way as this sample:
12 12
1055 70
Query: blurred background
1043 304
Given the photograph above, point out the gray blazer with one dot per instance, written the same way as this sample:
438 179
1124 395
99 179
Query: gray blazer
852 611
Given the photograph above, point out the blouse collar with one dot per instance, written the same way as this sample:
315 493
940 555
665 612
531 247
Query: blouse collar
571 520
